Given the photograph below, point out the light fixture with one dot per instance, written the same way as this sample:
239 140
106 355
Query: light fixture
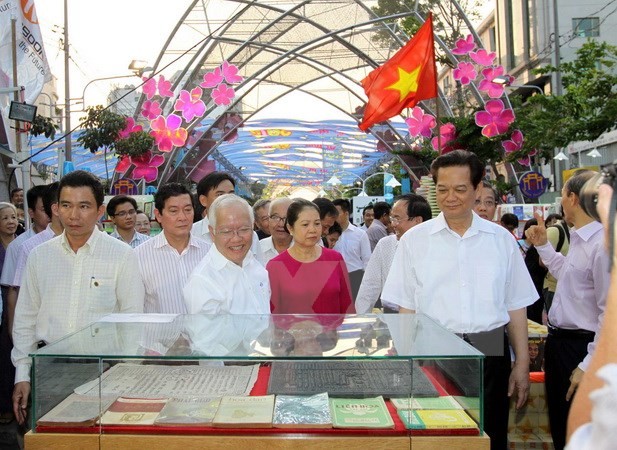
241 168
139 67
503 79
393 183
595 153
334 181
506 80
561 156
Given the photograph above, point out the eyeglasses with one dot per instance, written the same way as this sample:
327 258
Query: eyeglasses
487 203
240 232
276 218
395 219
130 212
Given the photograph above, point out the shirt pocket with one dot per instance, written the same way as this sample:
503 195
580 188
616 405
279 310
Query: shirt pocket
102 295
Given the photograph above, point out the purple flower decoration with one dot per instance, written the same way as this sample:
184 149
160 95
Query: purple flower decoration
150 110
483 58
494 90
190 104
420 124
494 119
464 46
465 72
515 143
223 94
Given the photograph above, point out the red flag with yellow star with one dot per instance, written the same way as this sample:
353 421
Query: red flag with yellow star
402 81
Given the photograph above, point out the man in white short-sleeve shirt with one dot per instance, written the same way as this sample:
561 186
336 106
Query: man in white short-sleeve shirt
468 274
71 280
229 280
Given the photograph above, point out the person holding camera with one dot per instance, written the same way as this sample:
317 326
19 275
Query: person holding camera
578 306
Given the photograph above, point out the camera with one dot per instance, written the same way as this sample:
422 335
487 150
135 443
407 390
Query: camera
588 197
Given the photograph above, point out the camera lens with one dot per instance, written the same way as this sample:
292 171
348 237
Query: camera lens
588 197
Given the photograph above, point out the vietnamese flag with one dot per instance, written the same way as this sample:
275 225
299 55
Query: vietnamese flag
402 81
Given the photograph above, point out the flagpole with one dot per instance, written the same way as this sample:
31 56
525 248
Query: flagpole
437 109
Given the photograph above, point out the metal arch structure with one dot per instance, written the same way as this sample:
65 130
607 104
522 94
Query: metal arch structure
281 47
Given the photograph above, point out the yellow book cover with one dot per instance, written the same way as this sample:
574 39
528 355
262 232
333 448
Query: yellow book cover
442 418
245 412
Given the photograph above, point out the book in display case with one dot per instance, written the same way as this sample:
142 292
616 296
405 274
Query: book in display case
209 379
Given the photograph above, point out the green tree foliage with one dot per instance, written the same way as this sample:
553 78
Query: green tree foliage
587 108
447 22
101 130
45 126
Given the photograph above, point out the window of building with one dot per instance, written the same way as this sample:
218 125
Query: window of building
447 87
586 26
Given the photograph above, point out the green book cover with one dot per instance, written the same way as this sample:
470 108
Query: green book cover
445 419
360 413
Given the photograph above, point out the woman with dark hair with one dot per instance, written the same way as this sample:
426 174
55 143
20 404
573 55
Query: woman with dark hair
308 278
334 234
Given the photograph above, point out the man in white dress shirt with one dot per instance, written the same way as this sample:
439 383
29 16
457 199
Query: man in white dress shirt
209 189
280 239
122 210
167 260
353 244
408 211
468 274
229 280
71 280
368 215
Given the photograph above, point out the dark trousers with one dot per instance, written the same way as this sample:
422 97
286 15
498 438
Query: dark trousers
355 280
496 401
561 356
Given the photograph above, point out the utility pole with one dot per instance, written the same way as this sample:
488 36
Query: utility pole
67 93
556 88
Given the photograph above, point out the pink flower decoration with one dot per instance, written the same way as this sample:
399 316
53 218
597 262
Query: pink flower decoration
515 143
164 87
464 46
495 119
168 133
149 88
465 72
213 78
190 104
223 94
526 161
124 162
129 128
230 72
448 134
150 110
420 124
534 152
494 90
483 58
146 166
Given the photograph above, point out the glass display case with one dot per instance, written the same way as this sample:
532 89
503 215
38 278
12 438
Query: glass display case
345 375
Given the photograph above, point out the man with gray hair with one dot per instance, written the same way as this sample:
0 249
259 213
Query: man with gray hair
229 279
280 239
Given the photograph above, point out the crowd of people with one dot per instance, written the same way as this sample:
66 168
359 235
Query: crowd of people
294 256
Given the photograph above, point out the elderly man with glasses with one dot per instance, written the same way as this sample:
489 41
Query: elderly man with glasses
229 280
280 239
122 210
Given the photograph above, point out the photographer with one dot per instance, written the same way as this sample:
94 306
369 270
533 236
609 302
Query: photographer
578 306
587 429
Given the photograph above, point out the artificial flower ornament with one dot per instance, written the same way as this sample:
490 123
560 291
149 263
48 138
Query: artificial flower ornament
168 132
494 90
447 133
465 73
150 109
420 124
483 58
151 85
223 94
495 119
212 79
515 143
130 127
123 164
190 104
146 166
464 46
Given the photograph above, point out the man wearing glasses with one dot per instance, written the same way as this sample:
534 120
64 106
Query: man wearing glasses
229 280
122 210
280 239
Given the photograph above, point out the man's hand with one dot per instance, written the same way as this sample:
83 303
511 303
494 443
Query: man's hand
536 234
575 379
21 392
519 384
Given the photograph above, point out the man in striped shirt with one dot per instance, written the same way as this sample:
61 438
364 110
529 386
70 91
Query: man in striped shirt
167 260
